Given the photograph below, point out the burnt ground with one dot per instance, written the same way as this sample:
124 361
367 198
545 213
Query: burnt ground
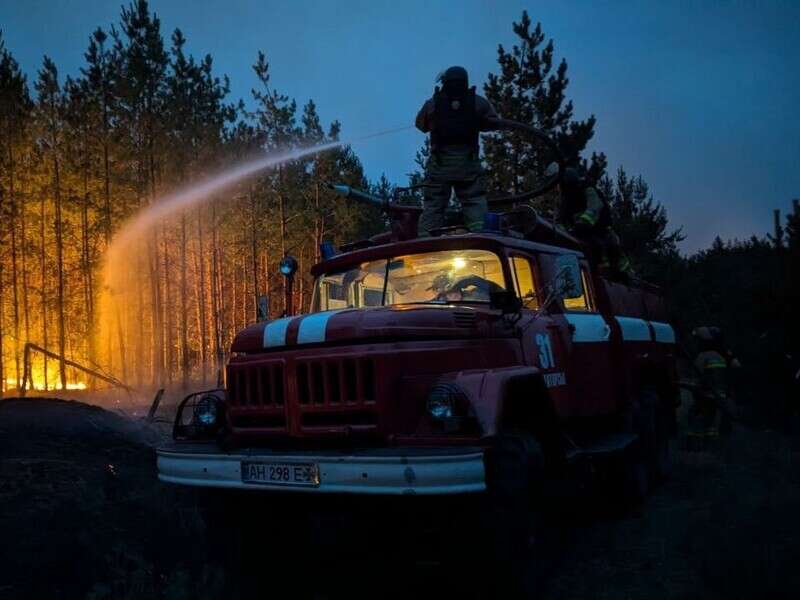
83 516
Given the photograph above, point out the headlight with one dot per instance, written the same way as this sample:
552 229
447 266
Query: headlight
200 416
446 400
440 406
206 411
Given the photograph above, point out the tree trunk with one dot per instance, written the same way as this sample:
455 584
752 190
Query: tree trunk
301 279
156 337
201 299
14 283
62 336
234 298
183 316
215 289
198 301
25 298
140 342
87 266
254 253
319 224
43 281
107 226
169 311
120 310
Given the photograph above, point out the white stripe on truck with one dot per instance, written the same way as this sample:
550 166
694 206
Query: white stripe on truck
633 329
664 332
275 332
312 327
588 327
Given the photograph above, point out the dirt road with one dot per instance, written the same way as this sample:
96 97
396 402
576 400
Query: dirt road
83 516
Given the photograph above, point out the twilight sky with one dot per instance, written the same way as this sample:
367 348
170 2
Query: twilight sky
701 98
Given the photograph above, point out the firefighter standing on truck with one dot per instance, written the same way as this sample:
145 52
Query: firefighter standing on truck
454 116
586 214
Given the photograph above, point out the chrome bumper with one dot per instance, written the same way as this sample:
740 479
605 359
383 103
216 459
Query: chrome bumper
394 471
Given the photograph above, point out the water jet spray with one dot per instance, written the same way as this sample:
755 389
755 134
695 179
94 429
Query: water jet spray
165 207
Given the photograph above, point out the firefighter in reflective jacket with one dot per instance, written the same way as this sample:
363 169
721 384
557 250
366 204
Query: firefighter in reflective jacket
713 407
586 214
454 116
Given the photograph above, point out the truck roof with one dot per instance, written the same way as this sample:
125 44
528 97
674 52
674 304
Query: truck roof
483 240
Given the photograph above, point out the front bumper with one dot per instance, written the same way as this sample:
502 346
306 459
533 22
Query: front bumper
391 471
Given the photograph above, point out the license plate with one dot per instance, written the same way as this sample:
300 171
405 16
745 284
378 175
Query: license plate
274 473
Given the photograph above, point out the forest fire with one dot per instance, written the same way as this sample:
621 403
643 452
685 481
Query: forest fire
39 384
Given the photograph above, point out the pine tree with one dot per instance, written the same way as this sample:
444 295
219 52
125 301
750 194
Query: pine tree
641 223
50 107
531 88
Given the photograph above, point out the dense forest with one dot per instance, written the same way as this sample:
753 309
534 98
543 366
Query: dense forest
81 154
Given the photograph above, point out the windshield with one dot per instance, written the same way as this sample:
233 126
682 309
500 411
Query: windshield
432 278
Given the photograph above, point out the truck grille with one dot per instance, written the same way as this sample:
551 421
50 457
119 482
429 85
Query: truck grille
327 382
337 392
329 393
257 385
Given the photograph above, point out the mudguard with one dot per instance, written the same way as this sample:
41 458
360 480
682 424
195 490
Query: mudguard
507 397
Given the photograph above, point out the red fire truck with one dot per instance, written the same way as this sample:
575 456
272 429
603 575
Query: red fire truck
456 364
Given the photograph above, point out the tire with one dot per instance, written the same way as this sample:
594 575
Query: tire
514 469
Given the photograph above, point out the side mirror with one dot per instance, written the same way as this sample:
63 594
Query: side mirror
567 283
506 302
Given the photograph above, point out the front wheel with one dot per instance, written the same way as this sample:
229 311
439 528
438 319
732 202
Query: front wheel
514 471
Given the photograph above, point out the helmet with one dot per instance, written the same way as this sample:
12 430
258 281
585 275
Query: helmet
454 80
453 74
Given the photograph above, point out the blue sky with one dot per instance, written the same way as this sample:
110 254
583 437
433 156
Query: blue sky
701 98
